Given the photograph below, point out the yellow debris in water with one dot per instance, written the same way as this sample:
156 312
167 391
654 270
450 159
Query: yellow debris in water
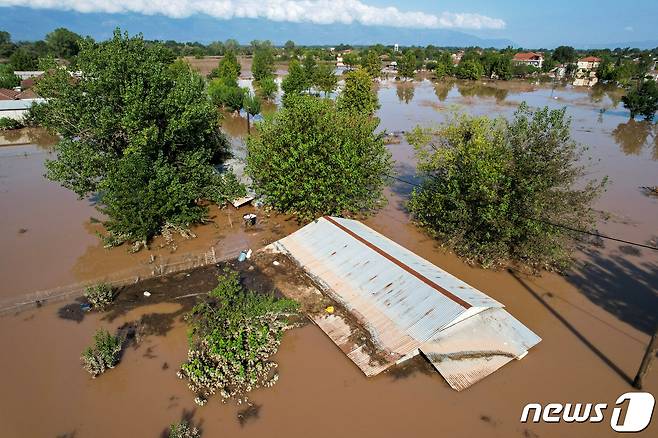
329 309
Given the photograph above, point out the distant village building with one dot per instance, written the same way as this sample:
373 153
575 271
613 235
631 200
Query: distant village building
396 48
589 63
529 58
28 74
457 57
339 61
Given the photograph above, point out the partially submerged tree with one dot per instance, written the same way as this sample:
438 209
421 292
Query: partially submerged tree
263 63
295 81
233 333
407 65
358 94
138 131
228 67
494 189
312 159
325 79
251 105
267 88
642 100
372 64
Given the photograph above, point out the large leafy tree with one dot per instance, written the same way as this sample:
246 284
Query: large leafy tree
642 100
407 65
358 94
372 64
497 191
295 81
312 159
564 54
263 63
325 79
228 68
138 131
63 43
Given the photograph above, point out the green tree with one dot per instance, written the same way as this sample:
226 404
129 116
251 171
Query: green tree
350 59
63 43
226 94
7 77
295 81
228 68
372 64
407 65
642 100
24 60
493 188
469 69
138 131
289 46
6 46
312 159
268 88
310 67
251 105
263 63
358 94
325 79
564 54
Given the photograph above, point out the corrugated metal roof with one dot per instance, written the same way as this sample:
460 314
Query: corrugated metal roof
400 299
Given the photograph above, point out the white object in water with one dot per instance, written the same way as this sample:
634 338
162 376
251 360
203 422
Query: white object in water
147 293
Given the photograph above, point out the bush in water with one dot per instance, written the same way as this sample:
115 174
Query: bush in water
183 430
232 335
104 354
99 296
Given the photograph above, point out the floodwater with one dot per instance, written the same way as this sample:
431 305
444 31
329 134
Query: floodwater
595 322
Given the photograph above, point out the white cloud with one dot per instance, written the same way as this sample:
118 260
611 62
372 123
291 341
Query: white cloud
627 28
297 11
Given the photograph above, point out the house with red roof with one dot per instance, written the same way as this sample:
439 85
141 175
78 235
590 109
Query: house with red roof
529 58
589 63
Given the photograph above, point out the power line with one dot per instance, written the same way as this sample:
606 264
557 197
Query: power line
576 230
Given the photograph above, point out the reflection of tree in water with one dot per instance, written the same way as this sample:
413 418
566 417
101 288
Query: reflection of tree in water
599 91
632 135
469 89
442 88
621 284
405 92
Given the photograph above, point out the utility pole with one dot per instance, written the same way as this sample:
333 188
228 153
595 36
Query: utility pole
652 348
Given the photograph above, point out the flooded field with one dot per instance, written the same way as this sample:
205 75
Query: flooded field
595 322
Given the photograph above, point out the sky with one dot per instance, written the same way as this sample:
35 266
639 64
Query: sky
531 24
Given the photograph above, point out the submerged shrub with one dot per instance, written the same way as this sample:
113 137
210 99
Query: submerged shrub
104 354
232 335
493 188
183 430
99 296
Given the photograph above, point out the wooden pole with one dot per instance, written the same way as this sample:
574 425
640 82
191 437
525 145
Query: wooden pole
248 125
652 348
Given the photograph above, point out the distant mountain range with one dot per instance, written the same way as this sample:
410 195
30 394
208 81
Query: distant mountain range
31 24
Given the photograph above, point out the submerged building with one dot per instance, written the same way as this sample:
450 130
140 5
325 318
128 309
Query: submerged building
394 305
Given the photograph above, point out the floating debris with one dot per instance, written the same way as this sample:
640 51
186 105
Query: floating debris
147 293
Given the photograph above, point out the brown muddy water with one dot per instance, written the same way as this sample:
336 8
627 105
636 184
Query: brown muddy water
595 322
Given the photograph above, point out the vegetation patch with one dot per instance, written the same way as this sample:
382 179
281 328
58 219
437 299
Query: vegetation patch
183 430
233 332
100 296
104 354
498 191
312 159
